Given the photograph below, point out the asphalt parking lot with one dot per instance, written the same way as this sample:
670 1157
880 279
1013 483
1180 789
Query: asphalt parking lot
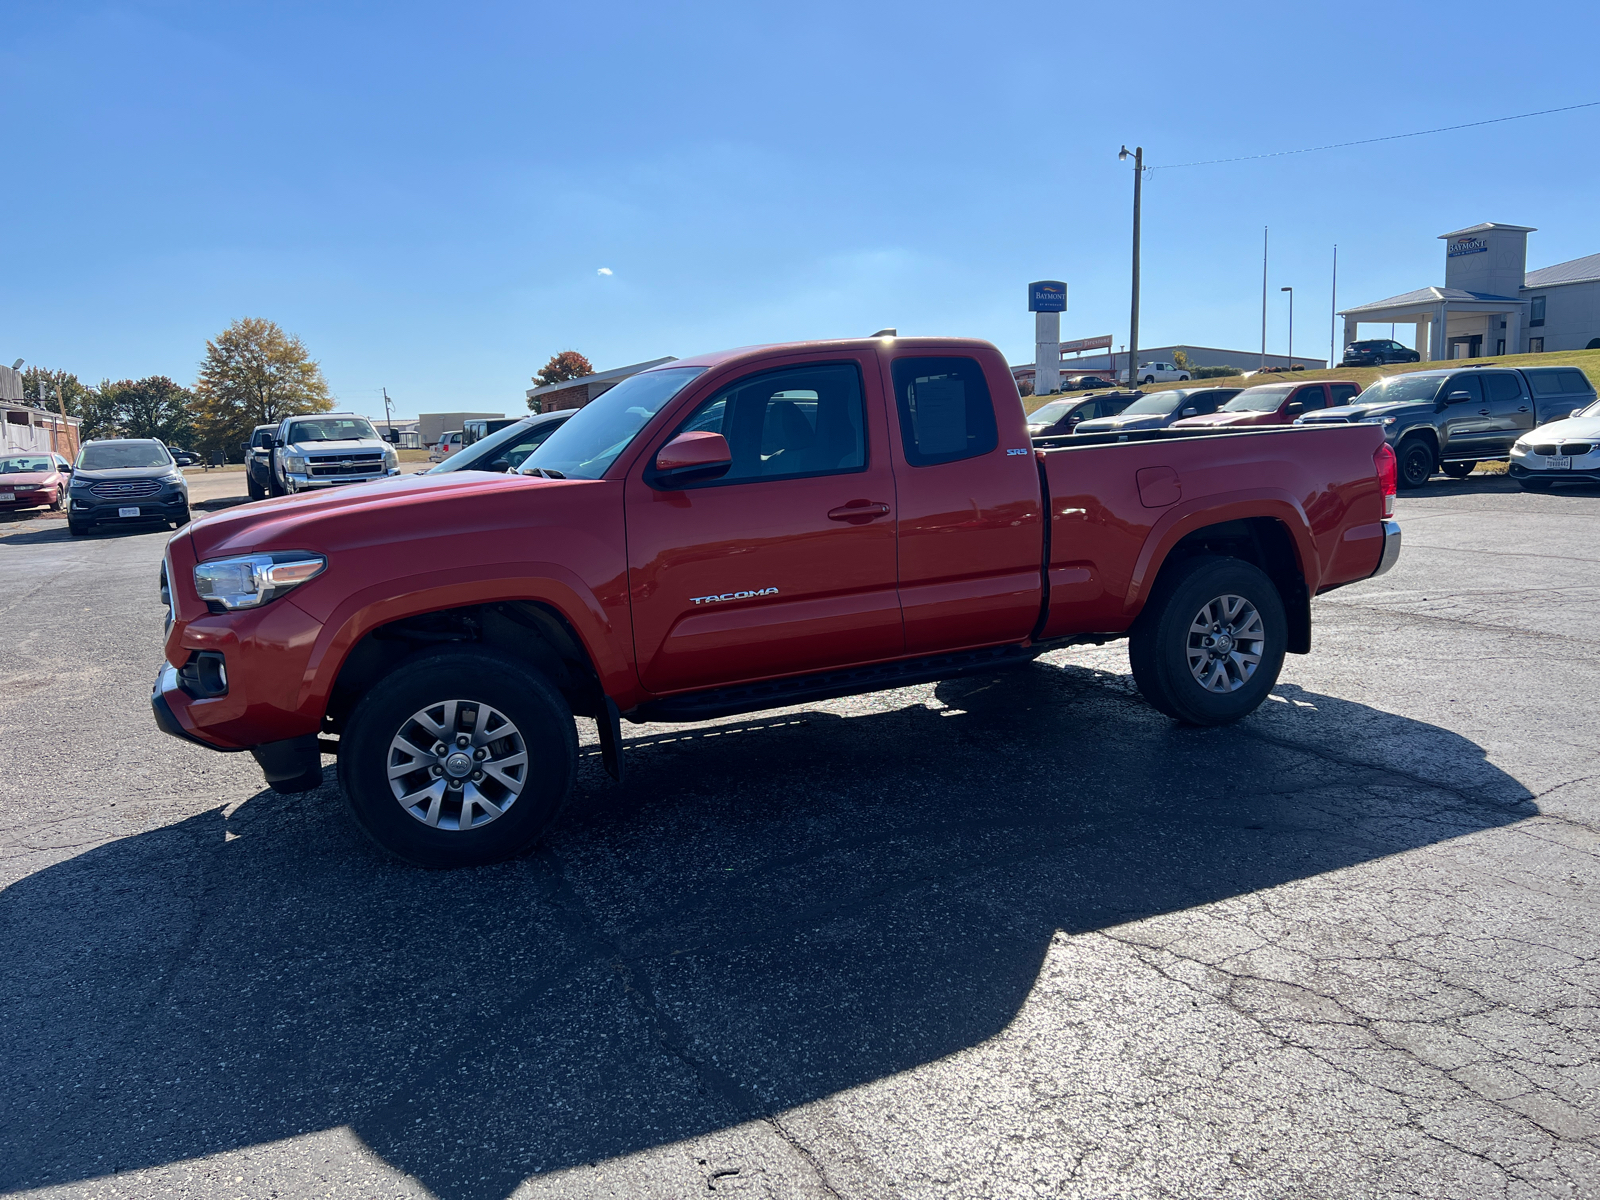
1009 937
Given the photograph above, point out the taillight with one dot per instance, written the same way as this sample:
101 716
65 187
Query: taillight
1388 469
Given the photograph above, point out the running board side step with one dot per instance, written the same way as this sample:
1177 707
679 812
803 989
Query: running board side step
829 685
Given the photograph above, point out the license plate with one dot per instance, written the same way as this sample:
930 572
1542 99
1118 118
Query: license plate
8 495
1559 462
128 512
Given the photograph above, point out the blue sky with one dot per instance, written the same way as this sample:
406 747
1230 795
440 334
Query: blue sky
426 193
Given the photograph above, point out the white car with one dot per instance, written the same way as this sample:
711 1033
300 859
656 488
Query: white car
1564 451
1158 372
448 444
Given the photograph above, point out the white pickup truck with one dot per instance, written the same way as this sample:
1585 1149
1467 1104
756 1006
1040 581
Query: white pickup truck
1158 372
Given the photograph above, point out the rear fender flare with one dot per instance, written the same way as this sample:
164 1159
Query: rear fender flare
1185 517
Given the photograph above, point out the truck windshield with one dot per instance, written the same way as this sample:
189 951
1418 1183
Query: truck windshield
332 429
1401 389
599 431
1259 399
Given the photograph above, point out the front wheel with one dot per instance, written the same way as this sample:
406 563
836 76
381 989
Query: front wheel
256 491
1210 643
76 529
60 501
1458 470
1416 463
458 759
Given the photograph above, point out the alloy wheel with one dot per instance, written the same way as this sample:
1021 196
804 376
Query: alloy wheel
1226 641
457 765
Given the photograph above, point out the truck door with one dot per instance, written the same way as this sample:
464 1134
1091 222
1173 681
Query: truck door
970 528
1510 410
1465 421
786 563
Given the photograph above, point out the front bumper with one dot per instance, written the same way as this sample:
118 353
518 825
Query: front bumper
1522 469
291 765
1391 547
27 498
306 483
164 506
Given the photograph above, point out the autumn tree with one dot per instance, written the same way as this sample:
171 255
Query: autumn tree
569 364
254 374
152 408
90 405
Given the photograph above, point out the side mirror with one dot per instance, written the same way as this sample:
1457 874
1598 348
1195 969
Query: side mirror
1295 407
502 465
1191 412
1457 397
699 455
245 447
268 442
392 436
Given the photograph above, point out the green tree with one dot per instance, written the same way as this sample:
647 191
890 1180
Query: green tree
1180 359
253 374
153 408
90 405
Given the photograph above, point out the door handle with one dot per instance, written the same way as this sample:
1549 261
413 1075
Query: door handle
1523 408
859 511
1483 412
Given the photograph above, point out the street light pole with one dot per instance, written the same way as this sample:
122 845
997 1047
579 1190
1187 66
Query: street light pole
1133 320
1290 290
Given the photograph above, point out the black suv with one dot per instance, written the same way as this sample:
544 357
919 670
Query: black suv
125 481
1377 352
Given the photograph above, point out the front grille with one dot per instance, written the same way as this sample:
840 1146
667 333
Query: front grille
1546 450
1576 448
125 489
355 463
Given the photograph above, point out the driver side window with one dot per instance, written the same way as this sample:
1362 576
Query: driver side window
799 421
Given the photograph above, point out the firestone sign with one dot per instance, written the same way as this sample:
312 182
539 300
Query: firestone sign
1047 295
1466 245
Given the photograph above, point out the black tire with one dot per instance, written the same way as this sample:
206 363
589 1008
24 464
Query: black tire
75 529
1148 379
274 488
1160 646
1458 470
1416 462
536 711
182 519
257 492
60 501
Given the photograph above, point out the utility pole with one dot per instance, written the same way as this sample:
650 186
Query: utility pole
1133 320
61 407
388 416
1263 298
1333 306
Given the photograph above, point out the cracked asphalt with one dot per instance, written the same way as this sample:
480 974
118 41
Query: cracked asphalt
1017 936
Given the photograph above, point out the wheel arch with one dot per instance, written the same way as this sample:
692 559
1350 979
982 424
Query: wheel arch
1268 542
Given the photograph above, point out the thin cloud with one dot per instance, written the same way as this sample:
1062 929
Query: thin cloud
603 271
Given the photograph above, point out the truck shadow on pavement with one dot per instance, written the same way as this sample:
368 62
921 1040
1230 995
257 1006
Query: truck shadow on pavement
771 911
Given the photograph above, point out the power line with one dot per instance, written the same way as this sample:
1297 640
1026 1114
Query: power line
1393 137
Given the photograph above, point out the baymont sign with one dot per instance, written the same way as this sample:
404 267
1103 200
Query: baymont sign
1472 245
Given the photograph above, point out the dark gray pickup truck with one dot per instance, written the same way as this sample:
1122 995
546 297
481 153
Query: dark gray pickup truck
1451 420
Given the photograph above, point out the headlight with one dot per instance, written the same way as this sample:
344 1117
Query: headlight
1388 421
251 580
391 459
295 463
173 476
1519 449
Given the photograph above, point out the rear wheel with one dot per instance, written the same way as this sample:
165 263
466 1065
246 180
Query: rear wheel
1210 643
1458 470
1416 462
458 759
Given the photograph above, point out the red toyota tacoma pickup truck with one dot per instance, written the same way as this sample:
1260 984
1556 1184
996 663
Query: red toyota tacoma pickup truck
744 530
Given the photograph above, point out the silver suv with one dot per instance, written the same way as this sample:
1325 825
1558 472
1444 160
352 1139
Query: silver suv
322 450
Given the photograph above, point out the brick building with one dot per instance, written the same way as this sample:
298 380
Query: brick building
575 393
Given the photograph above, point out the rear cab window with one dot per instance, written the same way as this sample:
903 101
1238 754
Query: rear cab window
1310 397
1502 386
1342 394
946 412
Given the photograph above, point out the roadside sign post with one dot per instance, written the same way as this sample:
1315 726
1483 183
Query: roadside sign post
1047 300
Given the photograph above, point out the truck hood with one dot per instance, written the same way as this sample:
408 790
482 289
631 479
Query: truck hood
1225 418
363 513
1366 412
1120 424
349 446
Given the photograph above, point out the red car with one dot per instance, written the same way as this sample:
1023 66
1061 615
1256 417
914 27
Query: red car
752 529
1274 404
33 481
